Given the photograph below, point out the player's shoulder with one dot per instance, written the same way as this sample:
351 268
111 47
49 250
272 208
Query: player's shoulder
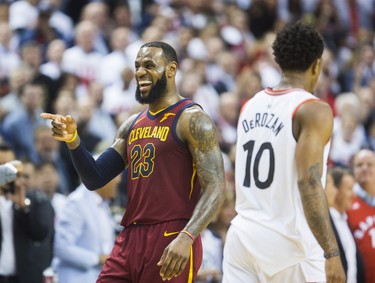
195 122
126 126
193 114
315 108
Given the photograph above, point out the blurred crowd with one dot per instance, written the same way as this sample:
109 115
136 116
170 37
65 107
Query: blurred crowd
77 58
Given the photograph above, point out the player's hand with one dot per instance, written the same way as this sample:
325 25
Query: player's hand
334 270
63 128
175 257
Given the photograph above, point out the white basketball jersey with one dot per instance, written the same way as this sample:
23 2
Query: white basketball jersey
268 202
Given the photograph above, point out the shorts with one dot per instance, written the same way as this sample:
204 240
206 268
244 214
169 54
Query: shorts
138 249
242 267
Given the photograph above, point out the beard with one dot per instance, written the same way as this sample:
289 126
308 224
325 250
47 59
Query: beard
155 92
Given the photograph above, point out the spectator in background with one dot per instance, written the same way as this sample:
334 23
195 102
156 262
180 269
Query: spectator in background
249 82
85 111
85 233
48 181
47 149
11 101
9 58
83 60
97 13
18 126
121 14
115 62
119 98
101 122
26 218
228 119
364 71
52 67
31 56
265 64
362 212
4 12
59 20
150 33
194 84
339 191
348 132
41 250
229 66
43 33
262 17
23 15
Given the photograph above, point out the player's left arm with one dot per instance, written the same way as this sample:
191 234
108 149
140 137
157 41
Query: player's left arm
200 133
197 129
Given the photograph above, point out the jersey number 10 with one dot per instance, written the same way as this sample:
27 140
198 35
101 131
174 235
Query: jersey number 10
249 147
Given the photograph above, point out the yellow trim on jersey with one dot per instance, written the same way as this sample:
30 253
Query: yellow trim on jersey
154 113
166 115
190 278
192 181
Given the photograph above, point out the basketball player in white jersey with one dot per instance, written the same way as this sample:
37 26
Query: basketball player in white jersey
282 233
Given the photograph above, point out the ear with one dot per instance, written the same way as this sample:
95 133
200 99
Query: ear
172 69
316 66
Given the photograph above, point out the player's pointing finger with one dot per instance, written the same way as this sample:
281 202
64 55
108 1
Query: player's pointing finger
49 116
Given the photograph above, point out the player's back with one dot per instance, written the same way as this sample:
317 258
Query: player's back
267 197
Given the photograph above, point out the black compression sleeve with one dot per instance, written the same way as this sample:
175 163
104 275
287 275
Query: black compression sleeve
96 173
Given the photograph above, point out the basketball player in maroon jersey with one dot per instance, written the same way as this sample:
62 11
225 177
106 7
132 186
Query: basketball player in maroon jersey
175 176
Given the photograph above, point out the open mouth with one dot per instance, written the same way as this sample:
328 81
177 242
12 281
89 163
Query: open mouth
144 86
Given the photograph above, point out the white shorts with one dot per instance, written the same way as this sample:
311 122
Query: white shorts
241 267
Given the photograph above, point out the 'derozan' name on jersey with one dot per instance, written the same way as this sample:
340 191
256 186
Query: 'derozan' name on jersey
264 120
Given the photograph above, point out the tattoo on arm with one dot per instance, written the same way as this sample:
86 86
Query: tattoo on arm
119 143
199 126
316 209
209 163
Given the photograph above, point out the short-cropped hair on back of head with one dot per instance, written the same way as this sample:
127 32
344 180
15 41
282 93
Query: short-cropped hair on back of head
297 46
168 51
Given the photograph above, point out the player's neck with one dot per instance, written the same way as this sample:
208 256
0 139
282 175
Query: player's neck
164 102
291 80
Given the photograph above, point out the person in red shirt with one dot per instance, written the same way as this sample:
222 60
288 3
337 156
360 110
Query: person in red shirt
361 216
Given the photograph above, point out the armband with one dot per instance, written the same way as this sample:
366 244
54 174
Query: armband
96 173
74 137
329 255
189 234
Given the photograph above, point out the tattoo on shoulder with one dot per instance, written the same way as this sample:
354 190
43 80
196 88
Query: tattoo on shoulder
203 131
124 128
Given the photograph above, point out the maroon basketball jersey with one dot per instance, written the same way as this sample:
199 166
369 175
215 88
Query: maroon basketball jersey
162 181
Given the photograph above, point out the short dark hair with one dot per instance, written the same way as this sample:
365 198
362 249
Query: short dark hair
168 51
5 147
337 174
297 46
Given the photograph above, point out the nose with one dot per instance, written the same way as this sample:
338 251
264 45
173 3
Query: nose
140 72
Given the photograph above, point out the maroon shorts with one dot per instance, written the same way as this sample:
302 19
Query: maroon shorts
137 251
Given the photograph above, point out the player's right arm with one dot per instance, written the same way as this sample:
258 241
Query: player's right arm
93 173
312 128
